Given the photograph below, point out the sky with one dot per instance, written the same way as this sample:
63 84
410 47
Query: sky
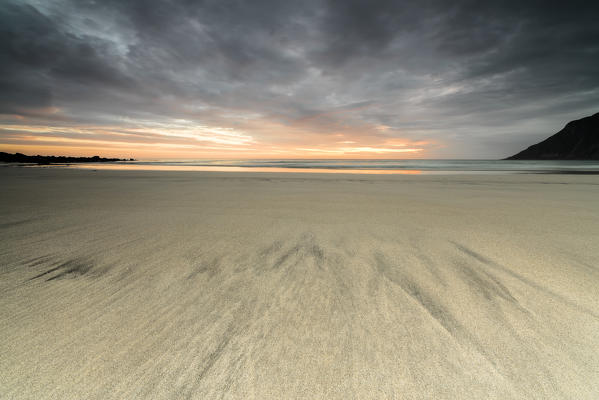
293 79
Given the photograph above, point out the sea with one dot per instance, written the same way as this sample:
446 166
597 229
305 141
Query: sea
409 166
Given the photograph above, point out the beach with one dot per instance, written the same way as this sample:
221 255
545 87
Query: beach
174 285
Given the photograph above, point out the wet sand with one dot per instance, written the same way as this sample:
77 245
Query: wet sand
174 285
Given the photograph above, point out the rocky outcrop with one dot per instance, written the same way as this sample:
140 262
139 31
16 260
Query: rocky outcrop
22 158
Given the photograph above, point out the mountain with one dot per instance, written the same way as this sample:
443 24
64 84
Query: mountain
579 140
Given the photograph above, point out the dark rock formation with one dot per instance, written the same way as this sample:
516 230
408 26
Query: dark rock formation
22 158
579 140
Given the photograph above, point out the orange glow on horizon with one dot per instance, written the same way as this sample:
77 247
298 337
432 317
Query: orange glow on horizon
183 139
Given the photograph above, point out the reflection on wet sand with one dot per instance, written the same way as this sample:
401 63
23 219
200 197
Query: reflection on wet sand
146 167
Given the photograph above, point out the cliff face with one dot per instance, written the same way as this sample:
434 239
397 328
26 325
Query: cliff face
579 140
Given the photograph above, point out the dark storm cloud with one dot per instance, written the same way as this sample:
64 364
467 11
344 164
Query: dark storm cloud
37 56
485 78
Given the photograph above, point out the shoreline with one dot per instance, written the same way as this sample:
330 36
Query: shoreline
591 169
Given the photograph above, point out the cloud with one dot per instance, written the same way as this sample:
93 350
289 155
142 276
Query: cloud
468 78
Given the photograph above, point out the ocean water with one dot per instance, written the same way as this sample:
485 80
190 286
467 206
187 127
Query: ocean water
360 166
